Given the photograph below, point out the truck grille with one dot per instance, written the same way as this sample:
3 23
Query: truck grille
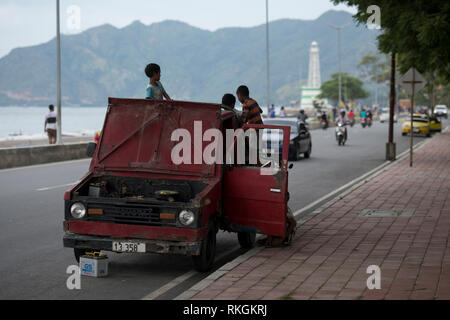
129 215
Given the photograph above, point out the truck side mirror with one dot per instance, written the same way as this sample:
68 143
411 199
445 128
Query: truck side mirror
90 150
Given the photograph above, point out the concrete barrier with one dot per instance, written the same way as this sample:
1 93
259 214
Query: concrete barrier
26 156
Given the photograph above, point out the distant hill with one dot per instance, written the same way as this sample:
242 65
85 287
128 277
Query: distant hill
196 64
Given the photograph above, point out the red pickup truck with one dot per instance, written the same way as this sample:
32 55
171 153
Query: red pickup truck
134 198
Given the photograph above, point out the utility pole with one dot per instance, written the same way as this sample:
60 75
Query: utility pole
58 77
390 145
267 55
339 28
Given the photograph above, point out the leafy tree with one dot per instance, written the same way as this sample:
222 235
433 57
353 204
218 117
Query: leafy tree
330 88
418 31
374 69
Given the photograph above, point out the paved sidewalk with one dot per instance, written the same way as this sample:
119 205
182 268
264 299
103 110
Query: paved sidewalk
331 252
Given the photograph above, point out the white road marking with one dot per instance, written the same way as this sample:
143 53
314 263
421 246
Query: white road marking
58 186
158 292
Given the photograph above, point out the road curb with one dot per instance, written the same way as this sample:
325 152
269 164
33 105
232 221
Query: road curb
217 274
352 185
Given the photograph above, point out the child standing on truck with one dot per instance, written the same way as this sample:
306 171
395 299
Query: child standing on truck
155 89
251 112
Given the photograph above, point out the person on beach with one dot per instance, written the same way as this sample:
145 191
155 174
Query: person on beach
50 124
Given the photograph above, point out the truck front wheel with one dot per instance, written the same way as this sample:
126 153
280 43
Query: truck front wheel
205 260
247 239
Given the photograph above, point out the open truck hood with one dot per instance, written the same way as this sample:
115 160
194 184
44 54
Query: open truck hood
136 136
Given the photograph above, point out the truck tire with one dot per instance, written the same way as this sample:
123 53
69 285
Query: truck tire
307 154
80 252
205 260
247 239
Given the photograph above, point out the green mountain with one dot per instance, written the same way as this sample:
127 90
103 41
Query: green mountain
196 64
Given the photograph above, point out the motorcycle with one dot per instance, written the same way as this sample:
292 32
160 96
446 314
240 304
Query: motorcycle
340 134
352 122
363 122
369 121
324 124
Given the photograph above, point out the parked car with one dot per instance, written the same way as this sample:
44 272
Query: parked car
300 139
441 110
385 115
435 124
421 125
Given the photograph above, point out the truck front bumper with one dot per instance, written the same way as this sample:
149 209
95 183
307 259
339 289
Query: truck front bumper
79 241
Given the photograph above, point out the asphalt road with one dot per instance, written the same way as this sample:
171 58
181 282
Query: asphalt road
33 262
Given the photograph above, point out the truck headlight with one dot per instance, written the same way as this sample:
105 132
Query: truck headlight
78 210
186 217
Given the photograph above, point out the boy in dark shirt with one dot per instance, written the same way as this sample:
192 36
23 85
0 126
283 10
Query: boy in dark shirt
251 112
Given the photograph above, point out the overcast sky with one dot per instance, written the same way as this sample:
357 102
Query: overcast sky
30 22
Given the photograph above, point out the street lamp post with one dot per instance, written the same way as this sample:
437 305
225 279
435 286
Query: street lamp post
339 28
267 55
58 77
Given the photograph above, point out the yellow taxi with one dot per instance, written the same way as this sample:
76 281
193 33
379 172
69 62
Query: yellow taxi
421 125
435 124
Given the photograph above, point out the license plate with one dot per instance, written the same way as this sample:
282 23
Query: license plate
123 246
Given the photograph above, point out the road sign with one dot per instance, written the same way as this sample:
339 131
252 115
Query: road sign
412 81
410 77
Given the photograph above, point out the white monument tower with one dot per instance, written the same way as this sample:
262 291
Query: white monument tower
312 88
314 66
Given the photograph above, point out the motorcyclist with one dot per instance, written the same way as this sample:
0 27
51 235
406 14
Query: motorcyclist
302 116
351 116
363 114
324 118
343 120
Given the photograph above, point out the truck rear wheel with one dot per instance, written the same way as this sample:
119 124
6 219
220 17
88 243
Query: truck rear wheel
205 260
247 239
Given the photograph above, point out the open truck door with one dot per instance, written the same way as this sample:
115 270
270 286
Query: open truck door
255 197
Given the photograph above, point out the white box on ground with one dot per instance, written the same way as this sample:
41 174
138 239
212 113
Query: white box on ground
94 266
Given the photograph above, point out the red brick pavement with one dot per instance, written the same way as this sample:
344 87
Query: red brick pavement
331 252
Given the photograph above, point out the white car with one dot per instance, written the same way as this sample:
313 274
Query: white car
440 110
385 115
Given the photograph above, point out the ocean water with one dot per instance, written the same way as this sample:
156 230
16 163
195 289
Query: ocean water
23 123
